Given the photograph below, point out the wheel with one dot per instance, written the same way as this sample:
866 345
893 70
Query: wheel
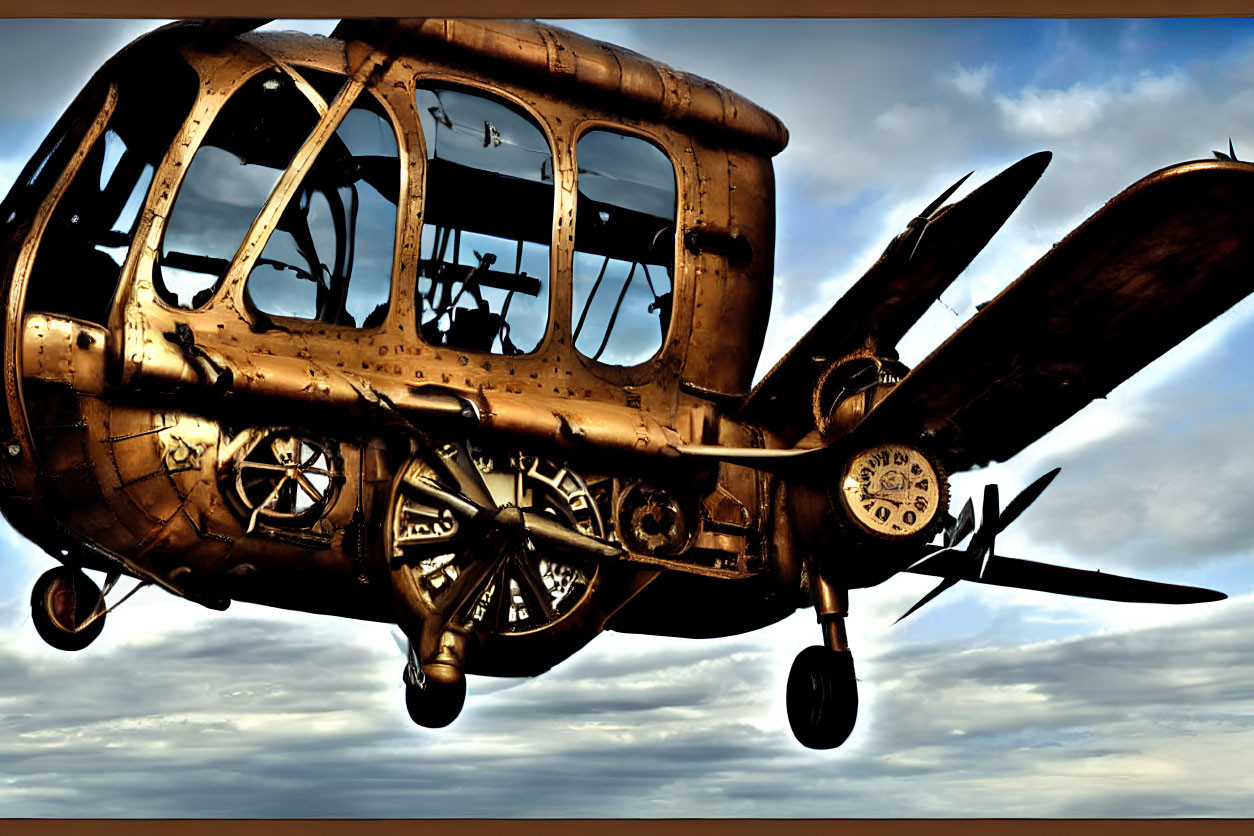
434 704
62 599
822 697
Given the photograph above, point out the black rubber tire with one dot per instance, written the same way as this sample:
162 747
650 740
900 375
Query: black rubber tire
435 704
63 598
822 697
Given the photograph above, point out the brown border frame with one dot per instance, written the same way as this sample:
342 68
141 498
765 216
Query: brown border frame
639 8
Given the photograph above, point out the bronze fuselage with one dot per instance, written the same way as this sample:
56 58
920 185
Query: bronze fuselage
123 436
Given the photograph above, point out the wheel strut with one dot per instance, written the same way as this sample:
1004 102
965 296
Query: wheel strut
831 605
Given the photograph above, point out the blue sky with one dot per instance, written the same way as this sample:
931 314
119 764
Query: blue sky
987 703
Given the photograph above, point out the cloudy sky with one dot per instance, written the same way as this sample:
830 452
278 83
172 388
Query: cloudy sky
987 703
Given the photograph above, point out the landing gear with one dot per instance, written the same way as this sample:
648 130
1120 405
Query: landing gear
62 605
822 696
433 703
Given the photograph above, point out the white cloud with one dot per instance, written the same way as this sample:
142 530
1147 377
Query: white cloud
1054 113
1081 108
1159 90
249 716
913 120
970 82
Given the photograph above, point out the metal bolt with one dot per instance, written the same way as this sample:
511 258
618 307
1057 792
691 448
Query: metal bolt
13 449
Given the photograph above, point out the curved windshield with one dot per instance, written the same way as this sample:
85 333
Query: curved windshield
39 175
79 260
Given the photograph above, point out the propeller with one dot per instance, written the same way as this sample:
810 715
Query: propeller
1020 503
994 521
472 501
953 534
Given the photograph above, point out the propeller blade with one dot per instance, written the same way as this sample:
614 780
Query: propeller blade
954 535
1011 572
1026 497
458 504
991 524
964 526
940 587
966 523
544 529
461 468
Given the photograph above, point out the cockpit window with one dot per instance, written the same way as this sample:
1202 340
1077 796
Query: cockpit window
80 256
624 248
483 280
251 142
39 175
330 256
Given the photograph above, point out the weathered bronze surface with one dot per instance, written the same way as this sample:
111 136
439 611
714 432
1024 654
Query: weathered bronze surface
505 505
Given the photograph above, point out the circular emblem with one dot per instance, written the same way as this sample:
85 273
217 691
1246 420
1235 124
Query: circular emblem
281 478
892 490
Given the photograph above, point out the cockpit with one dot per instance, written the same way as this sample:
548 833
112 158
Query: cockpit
417 210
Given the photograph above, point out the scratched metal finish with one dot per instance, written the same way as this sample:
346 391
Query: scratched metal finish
131 439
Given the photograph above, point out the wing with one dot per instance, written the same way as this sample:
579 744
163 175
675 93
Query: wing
913 272
1045 577
1159 261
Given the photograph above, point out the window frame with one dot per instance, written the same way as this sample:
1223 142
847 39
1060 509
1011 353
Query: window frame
45 207
562 121
241 276
426 79
611 370
201 131
231 291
